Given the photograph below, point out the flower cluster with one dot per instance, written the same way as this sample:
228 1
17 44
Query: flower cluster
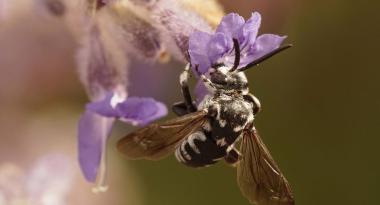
116 31
208 49
96 123
110 33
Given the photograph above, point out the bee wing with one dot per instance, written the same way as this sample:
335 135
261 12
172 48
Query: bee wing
259 178
156 141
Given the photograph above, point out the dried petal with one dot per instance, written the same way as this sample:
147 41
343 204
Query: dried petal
102 66
104 2
144 3
211 10
178 23
54 7
138 36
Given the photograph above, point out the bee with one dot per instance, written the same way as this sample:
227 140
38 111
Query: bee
205 134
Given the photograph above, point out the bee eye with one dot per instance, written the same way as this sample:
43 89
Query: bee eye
218 78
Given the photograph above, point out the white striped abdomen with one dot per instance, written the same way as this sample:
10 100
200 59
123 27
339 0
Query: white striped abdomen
200 150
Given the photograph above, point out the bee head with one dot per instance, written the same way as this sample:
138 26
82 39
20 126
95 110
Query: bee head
226 81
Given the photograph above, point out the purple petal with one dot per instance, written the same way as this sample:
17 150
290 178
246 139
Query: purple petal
250 30
198 43
265 44
103 107
247 39
200 91
231 25
218 46
140 111
93 131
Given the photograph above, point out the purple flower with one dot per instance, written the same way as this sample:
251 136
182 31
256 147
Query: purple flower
96 123
135 110
103 69
146 30
207 49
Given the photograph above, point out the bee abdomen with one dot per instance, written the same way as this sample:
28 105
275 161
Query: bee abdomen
199 150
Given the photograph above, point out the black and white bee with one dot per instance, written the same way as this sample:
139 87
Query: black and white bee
208 133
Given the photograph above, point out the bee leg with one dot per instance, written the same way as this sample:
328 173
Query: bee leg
183 80
180 108
256 103
233 156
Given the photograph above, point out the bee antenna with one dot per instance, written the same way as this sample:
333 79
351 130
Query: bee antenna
237 54
265 57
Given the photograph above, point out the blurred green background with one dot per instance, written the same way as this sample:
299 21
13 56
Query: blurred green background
320 100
